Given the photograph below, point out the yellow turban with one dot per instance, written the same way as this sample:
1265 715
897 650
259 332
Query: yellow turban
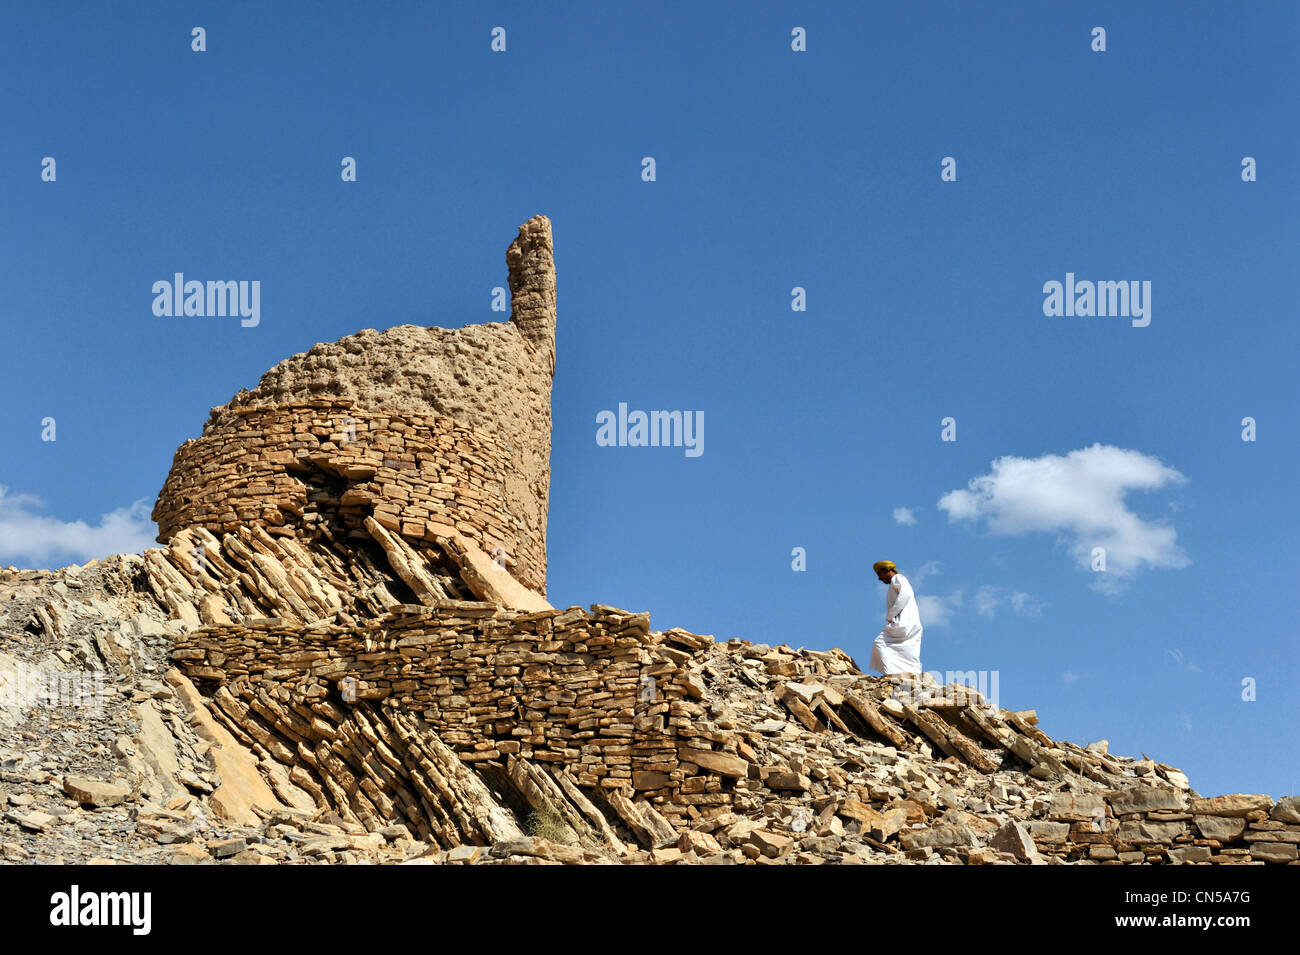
880 565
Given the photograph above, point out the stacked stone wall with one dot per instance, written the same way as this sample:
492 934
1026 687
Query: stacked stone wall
629 715
594 692
326 466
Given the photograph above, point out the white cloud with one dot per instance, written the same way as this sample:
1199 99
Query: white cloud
904 516
30 538
929 569
937 611
1182 662
1025 605
1069 677
1080 497
988 599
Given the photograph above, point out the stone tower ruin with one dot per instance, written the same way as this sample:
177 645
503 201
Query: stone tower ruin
432 433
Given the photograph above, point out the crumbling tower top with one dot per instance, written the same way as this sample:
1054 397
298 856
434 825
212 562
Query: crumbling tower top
532 285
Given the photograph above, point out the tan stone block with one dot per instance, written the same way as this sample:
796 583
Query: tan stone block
1237 804
1273 851
1222 828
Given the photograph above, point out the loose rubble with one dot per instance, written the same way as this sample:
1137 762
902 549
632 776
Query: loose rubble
556 737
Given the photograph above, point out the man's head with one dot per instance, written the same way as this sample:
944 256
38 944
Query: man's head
885 570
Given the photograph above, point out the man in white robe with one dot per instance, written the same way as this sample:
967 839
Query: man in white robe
897 648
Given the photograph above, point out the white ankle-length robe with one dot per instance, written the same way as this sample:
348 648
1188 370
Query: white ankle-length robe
897 648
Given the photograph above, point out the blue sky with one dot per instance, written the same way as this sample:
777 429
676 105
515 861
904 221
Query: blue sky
774 169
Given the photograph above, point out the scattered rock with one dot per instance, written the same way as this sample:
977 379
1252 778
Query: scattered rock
225 848
1014 839
92 792
34 820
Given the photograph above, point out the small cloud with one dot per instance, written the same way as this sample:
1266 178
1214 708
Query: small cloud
988 599
904 516
35 539
938 611
1184 721
929 569
1182 662
1080 497
1025 605
1070 677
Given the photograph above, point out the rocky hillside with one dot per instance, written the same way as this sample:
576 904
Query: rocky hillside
343 652
784 756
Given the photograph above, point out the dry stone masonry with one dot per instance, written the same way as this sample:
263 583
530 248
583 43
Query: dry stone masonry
321 470
343 652
414 422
